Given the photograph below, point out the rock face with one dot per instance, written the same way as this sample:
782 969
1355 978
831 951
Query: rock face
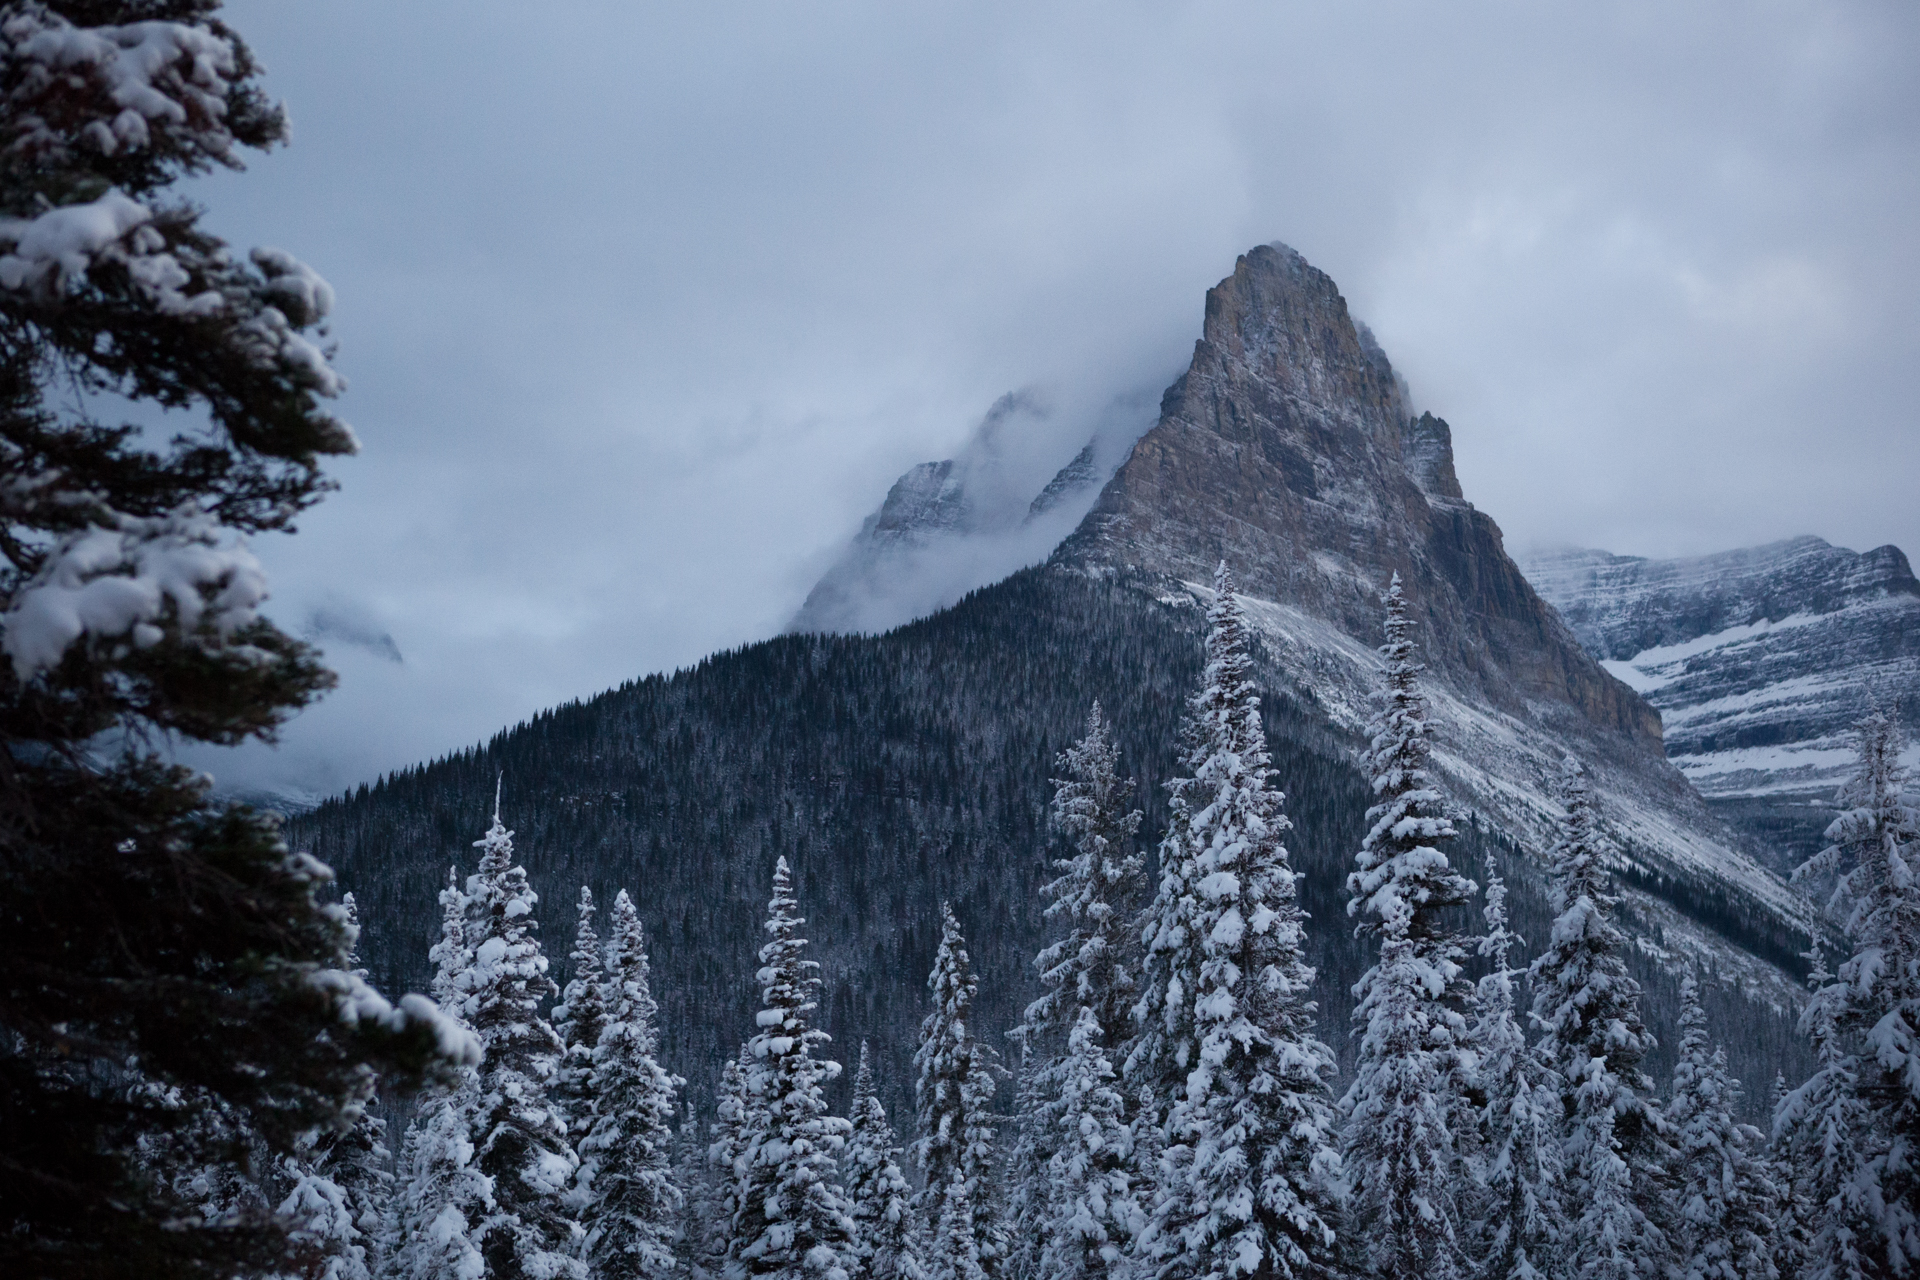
1289 450
1759 662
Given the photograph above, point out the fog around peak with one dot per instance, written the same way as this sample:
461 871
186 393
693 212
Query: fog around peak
643 311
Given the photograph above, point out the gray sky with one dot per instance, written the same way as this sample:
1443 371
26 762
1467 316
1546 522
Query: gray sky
644 306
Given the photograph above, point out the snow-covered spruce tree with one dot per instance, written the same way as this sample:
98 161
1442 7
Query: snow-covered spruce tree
578 1020
1095 1200
1397 1137
738 1120
1094 964
887 1236
129 621
1588 1011
1250 1175
519 1136
1793 1217
1817 1128
441 1198
342 1184
792 1220
1856 1122
956 1248
954 1098
1029 1195
630 1205
1724 1229
1519 1221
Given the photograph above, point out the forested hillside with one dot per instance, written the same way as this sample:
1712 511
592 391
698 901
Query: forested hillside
894 773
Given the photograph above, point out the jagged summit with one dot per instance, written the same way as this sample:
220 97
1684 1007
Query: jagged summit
1289 450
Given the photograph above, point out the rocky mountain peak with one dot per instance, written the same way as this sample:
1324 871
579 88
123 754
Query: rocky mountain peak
949 526
1285 323
1288 450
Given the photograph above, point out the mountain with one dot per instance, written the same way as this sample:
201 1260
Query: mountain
1288 449
902 769
1759 662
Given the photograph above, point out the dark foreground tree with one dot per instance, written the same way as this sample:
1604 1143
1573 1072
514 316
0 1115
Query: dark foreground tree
166 959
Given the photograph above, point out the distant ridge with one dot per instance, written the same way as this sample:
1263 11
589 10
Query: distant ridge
1759 661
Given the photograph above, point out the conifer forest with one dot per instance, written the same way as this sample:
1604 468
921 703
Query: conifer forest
1056 935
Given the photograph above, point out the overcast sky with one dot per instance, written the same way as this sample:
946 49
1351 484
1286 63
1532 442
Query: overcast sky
643 306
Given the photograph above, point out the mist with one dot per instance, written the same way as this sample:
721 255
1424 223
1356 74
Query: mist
644 311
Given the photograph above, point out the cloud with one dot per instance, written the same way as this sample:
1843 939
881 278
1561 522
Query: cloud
643 310
342 622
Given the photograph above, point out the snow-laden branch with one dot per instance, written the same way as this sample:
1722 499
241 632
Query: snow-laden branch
105 582
355 1003
154 74
52 253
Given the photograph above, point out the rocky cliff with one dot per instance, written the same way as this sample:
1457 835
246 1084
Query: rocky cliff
1759 662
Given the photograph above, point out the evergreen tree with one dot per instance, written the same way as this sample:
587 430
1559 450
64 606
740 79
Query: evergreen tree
342 1184
956 1252
441 1198
1818 1127
954 1096
130 624
578 1020
1249 1176
519 1136
1095 1201
793 1219
738 1121
1793 1218
1095 964
1521 1221
325 1230
1397 1139
887 1236
1725 1225
1588 1010
1029 1192
631 1205
1856 1122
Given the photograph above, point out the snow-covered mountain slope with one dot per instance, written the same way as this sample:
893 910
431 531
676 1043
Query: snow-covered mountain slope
1289 450
1759 662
